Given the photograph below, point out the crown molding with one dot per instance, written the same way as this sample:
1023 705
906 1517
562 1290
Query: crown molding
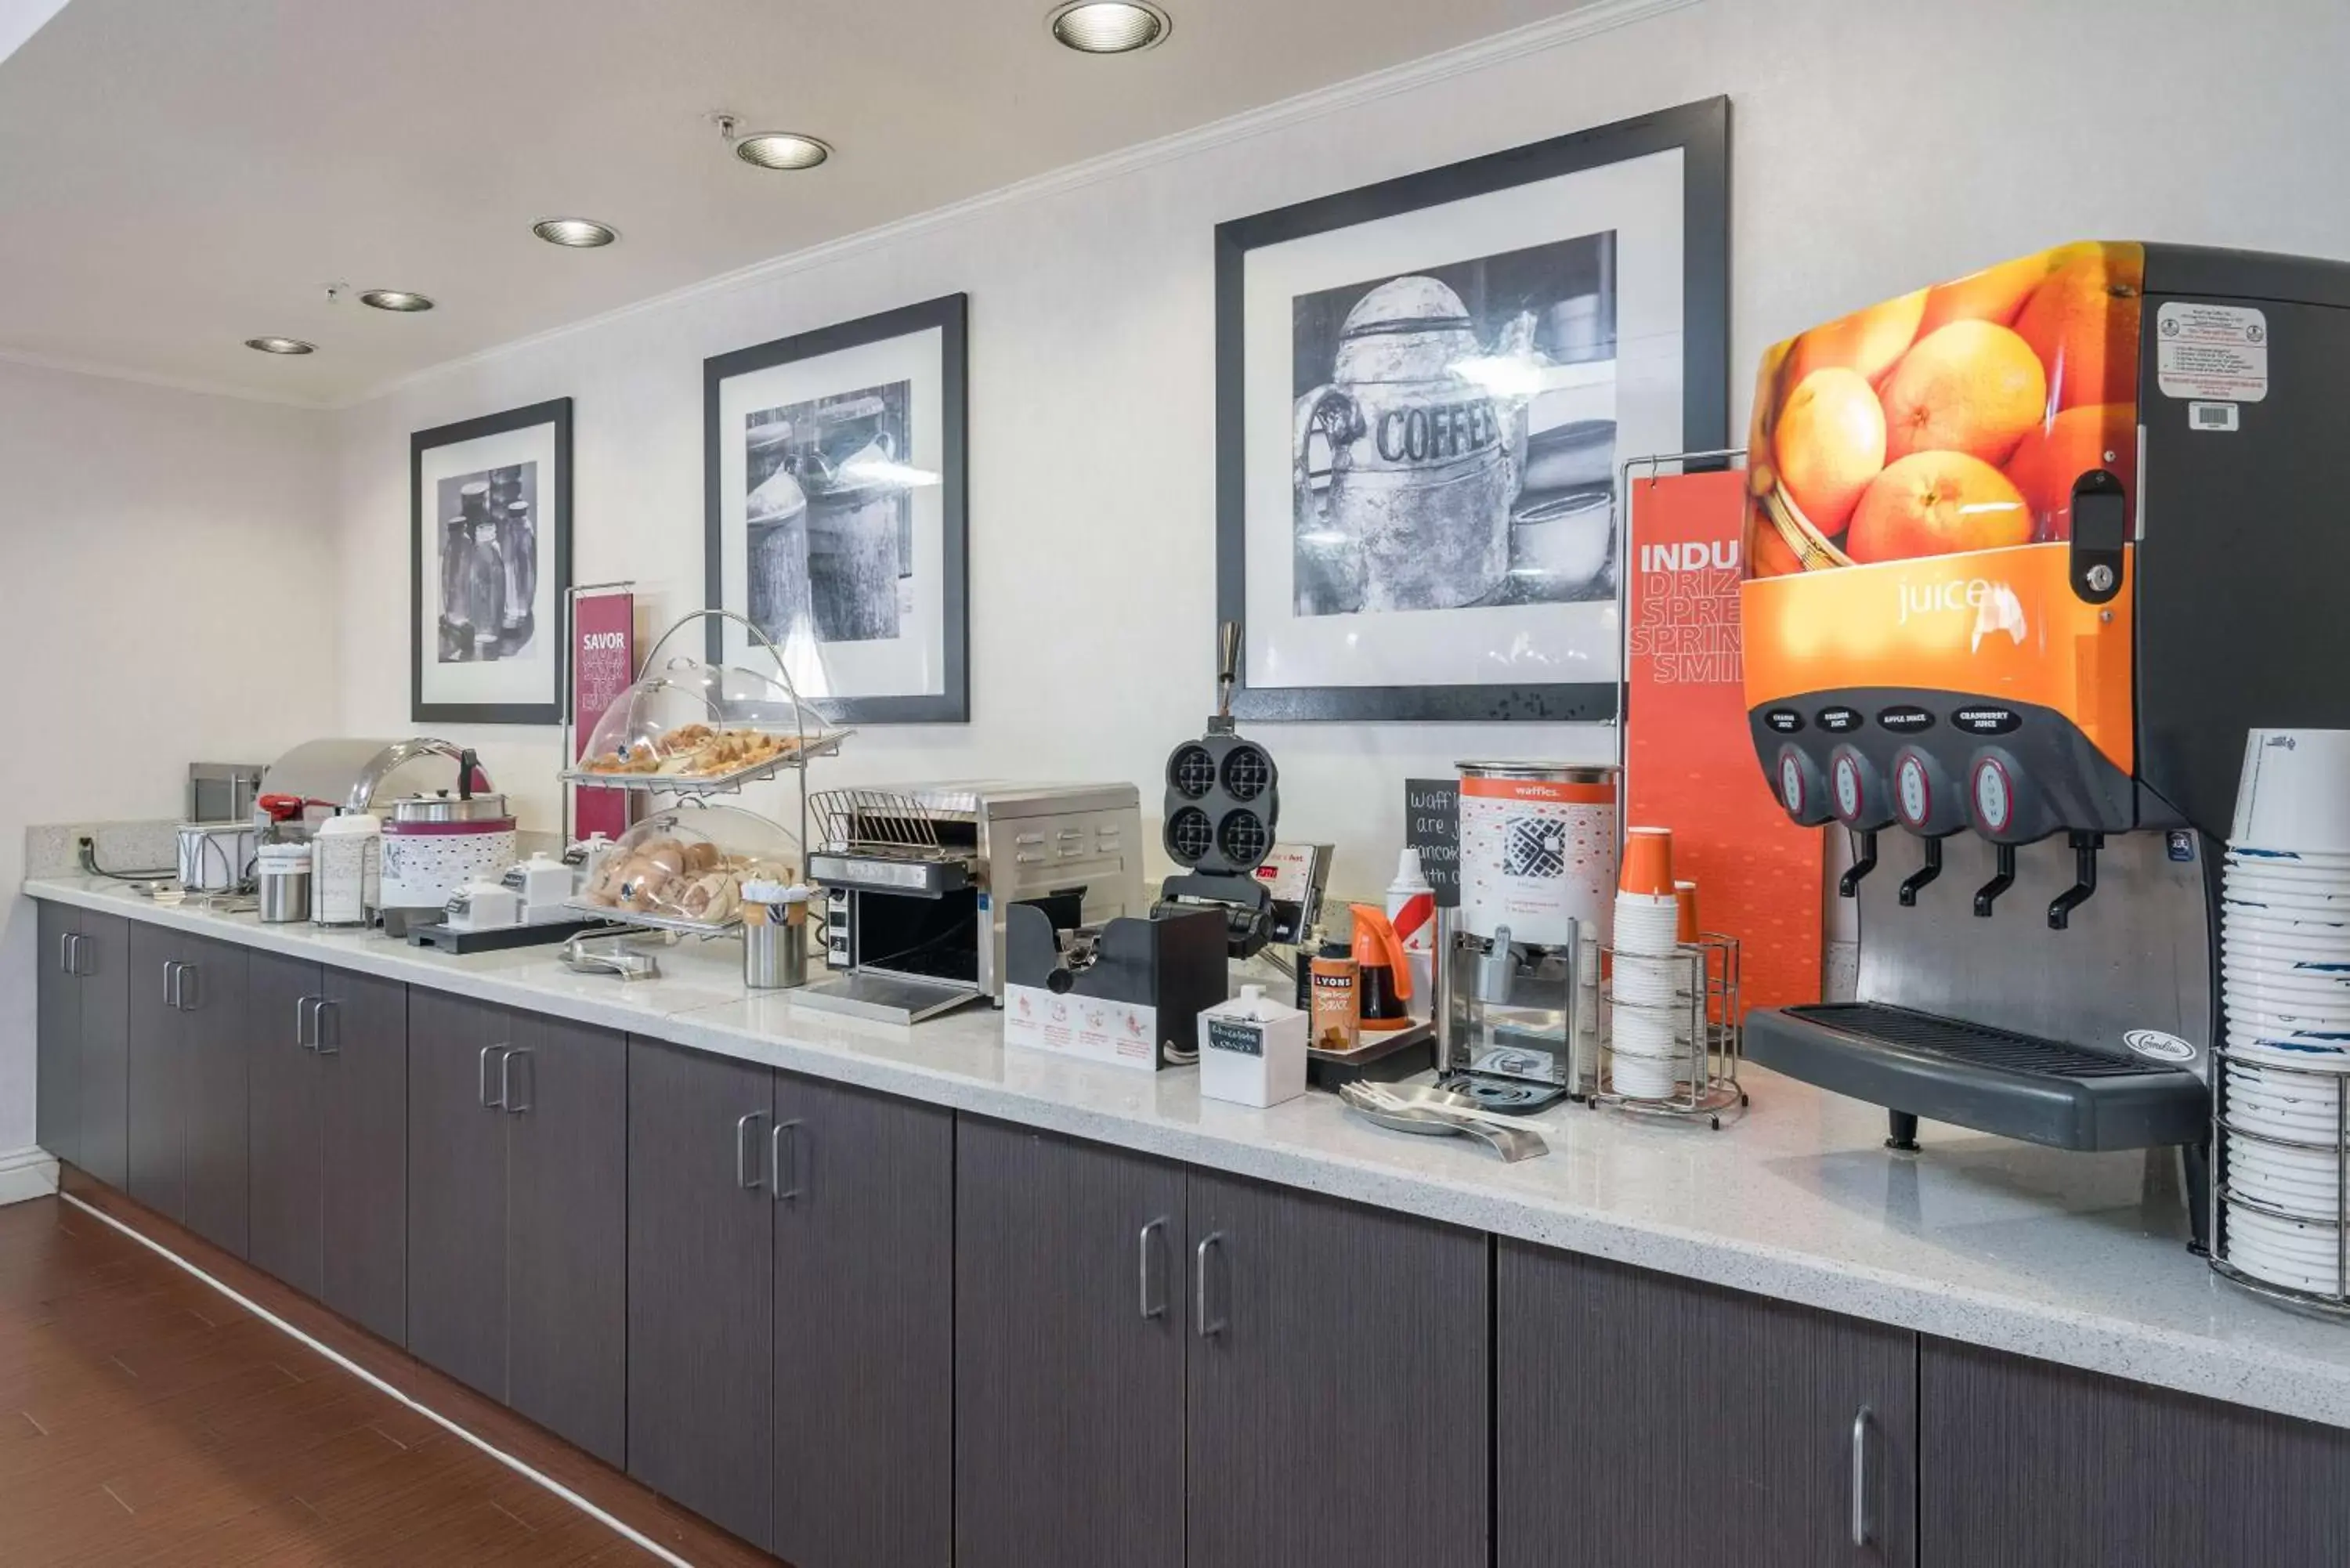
106 372
1535 38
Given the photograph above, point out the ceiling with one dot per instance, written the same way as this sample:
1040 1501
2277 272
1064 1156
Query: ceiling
178 175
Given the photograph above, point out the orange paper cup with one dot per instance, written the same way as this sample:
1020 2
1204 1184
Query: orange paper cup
1685 895
1648 862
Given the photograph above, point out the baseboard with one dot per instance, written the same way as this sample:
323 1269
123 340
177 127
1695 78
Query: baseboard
27 1173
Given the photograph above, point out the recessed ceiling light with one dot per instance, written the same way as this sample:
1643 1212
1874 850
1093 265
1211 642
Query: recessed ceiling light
395 299
579 233
1109 27
281 345
781 150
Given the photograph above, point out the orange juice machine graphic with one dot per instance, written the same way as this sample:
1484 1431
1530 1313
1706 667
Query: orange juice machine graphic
2028 554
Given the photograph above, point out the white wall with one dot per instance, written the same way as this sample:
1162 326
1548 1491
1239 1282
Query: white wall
138 528
1877 144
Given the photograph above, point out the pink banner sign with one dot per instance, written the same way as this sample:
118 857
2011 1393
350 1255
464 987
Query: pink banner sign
603 663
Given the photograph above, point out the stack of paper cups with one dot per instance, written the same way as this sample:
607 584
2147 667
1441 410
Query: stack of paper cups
1648 974
2284 959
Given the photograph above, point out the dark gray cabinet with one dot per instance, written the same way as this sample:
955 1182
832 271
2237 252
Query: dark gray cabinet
518 1159
1070 1322
700 1267
2026 1465
791 1304
1339 1411
1642 1418
83 1039
57 1065
187 1089
328 1114
864 1328
565 1091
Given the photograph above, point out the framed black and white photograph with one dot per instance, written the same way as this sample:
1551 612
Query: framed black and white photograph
834 502
1424 390
489 559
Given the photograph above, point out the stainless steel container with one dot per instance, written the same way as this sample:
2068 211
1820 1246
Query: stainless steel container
774 936
284 882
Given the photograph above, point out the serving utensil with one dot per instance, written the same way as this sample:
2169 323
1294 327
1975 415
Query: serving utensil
1513 1144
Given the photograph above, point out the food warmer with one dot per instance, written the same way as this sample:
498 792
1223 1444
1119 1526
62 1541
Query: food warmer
347 775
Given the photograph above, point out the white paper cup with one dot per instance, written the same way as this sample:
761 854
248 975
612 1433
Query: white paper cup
1644 1078
1652 981
2267 855
2280 1048
1646 928
2294 791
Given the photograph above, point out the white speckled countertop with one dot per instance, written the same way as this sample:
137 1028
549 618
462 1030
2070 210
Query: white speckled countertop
2078 1259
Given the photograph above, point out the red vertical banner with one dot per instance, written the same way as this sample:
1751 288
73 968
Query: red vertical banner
603 663
1688 754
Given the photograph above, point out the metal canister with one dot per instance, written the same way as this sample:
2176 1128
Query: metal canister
284 882
774 936
1405 462
1537 849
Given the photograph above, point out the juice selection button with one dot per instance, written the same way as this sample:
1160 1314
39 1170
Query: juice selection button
1783 720
1987 721
1904 719
1840 721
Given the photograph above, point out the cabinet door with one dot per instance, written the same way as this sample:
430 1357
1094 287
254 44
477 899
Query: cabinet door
156 1088
1642 1418
700 1257
363 1067
2023 1464
286 1231
864 1328
105 958
457 1189
56 1088
1069 1320
213 1021
567 1232
1340 1404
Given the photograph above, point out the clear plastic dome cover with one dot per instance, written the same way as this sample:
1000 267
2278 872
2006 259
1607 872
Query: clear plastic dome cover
686 865
691 721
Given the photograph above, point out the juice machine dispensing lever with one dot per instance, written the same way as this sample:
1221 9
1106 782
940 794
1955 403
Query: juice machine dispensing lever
2029 630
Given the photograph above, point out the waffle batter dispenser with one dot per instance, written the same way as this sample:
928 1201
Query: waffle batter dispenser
2014 650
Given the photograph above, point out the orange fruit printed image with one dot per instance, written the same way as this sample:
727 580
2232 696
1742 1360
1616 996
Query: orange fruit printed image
1768 554
1971 387
1994 294
2082 324
1868 340
1830 443
1937 503
2049 460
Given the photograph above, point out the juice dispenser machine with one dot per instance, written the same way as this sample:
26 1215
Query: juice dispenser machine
2028 554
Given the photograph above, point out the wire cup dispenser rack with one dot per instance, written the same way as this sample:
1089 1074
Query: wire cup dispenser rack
1702 1068
2326 1233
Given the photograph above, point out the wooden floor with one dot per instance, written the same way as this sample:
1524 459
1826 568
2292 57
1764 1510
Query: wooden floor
147 1418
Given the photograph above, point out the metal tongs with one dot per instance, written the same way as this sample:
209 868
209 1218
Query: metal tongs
607 954
1439 1112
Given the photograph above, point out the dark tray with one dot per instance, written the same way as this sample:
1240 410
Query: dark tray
441 938
1993 1080
1403 1052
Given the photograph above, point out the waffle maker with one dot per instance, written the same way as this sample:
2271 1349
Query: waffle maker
1222 804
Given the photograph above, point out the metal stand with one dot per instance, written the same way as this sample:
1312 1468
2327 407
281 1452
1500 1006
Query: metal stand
2330 1303
1709 1036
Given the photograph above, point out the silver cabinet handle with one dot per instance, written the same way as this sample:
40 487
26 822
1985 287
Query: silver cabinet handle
1209 1326
488 1104
782 1162
66 940
1860 1527
301 1011
746 1176
78 967
188 972
1142 1271
319 1006
507 1101
172 983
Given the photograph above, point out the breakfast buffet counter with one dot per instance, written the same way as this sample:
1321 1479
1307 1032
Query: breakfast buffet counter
2073 1259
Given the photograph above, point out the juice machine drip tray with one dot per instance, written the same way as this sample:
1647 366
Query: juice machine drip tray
1993 1080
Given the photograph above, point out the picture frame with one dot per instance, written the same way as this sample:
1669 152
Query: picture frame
489 566
1425 390
835 511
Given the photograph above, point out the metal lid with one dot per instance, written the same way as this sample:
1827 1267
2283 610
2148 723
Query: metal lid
444 806
1548 772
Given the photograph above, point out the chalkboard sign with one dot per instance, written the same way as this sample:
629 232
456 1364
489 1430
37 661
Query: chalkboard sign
1431 825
